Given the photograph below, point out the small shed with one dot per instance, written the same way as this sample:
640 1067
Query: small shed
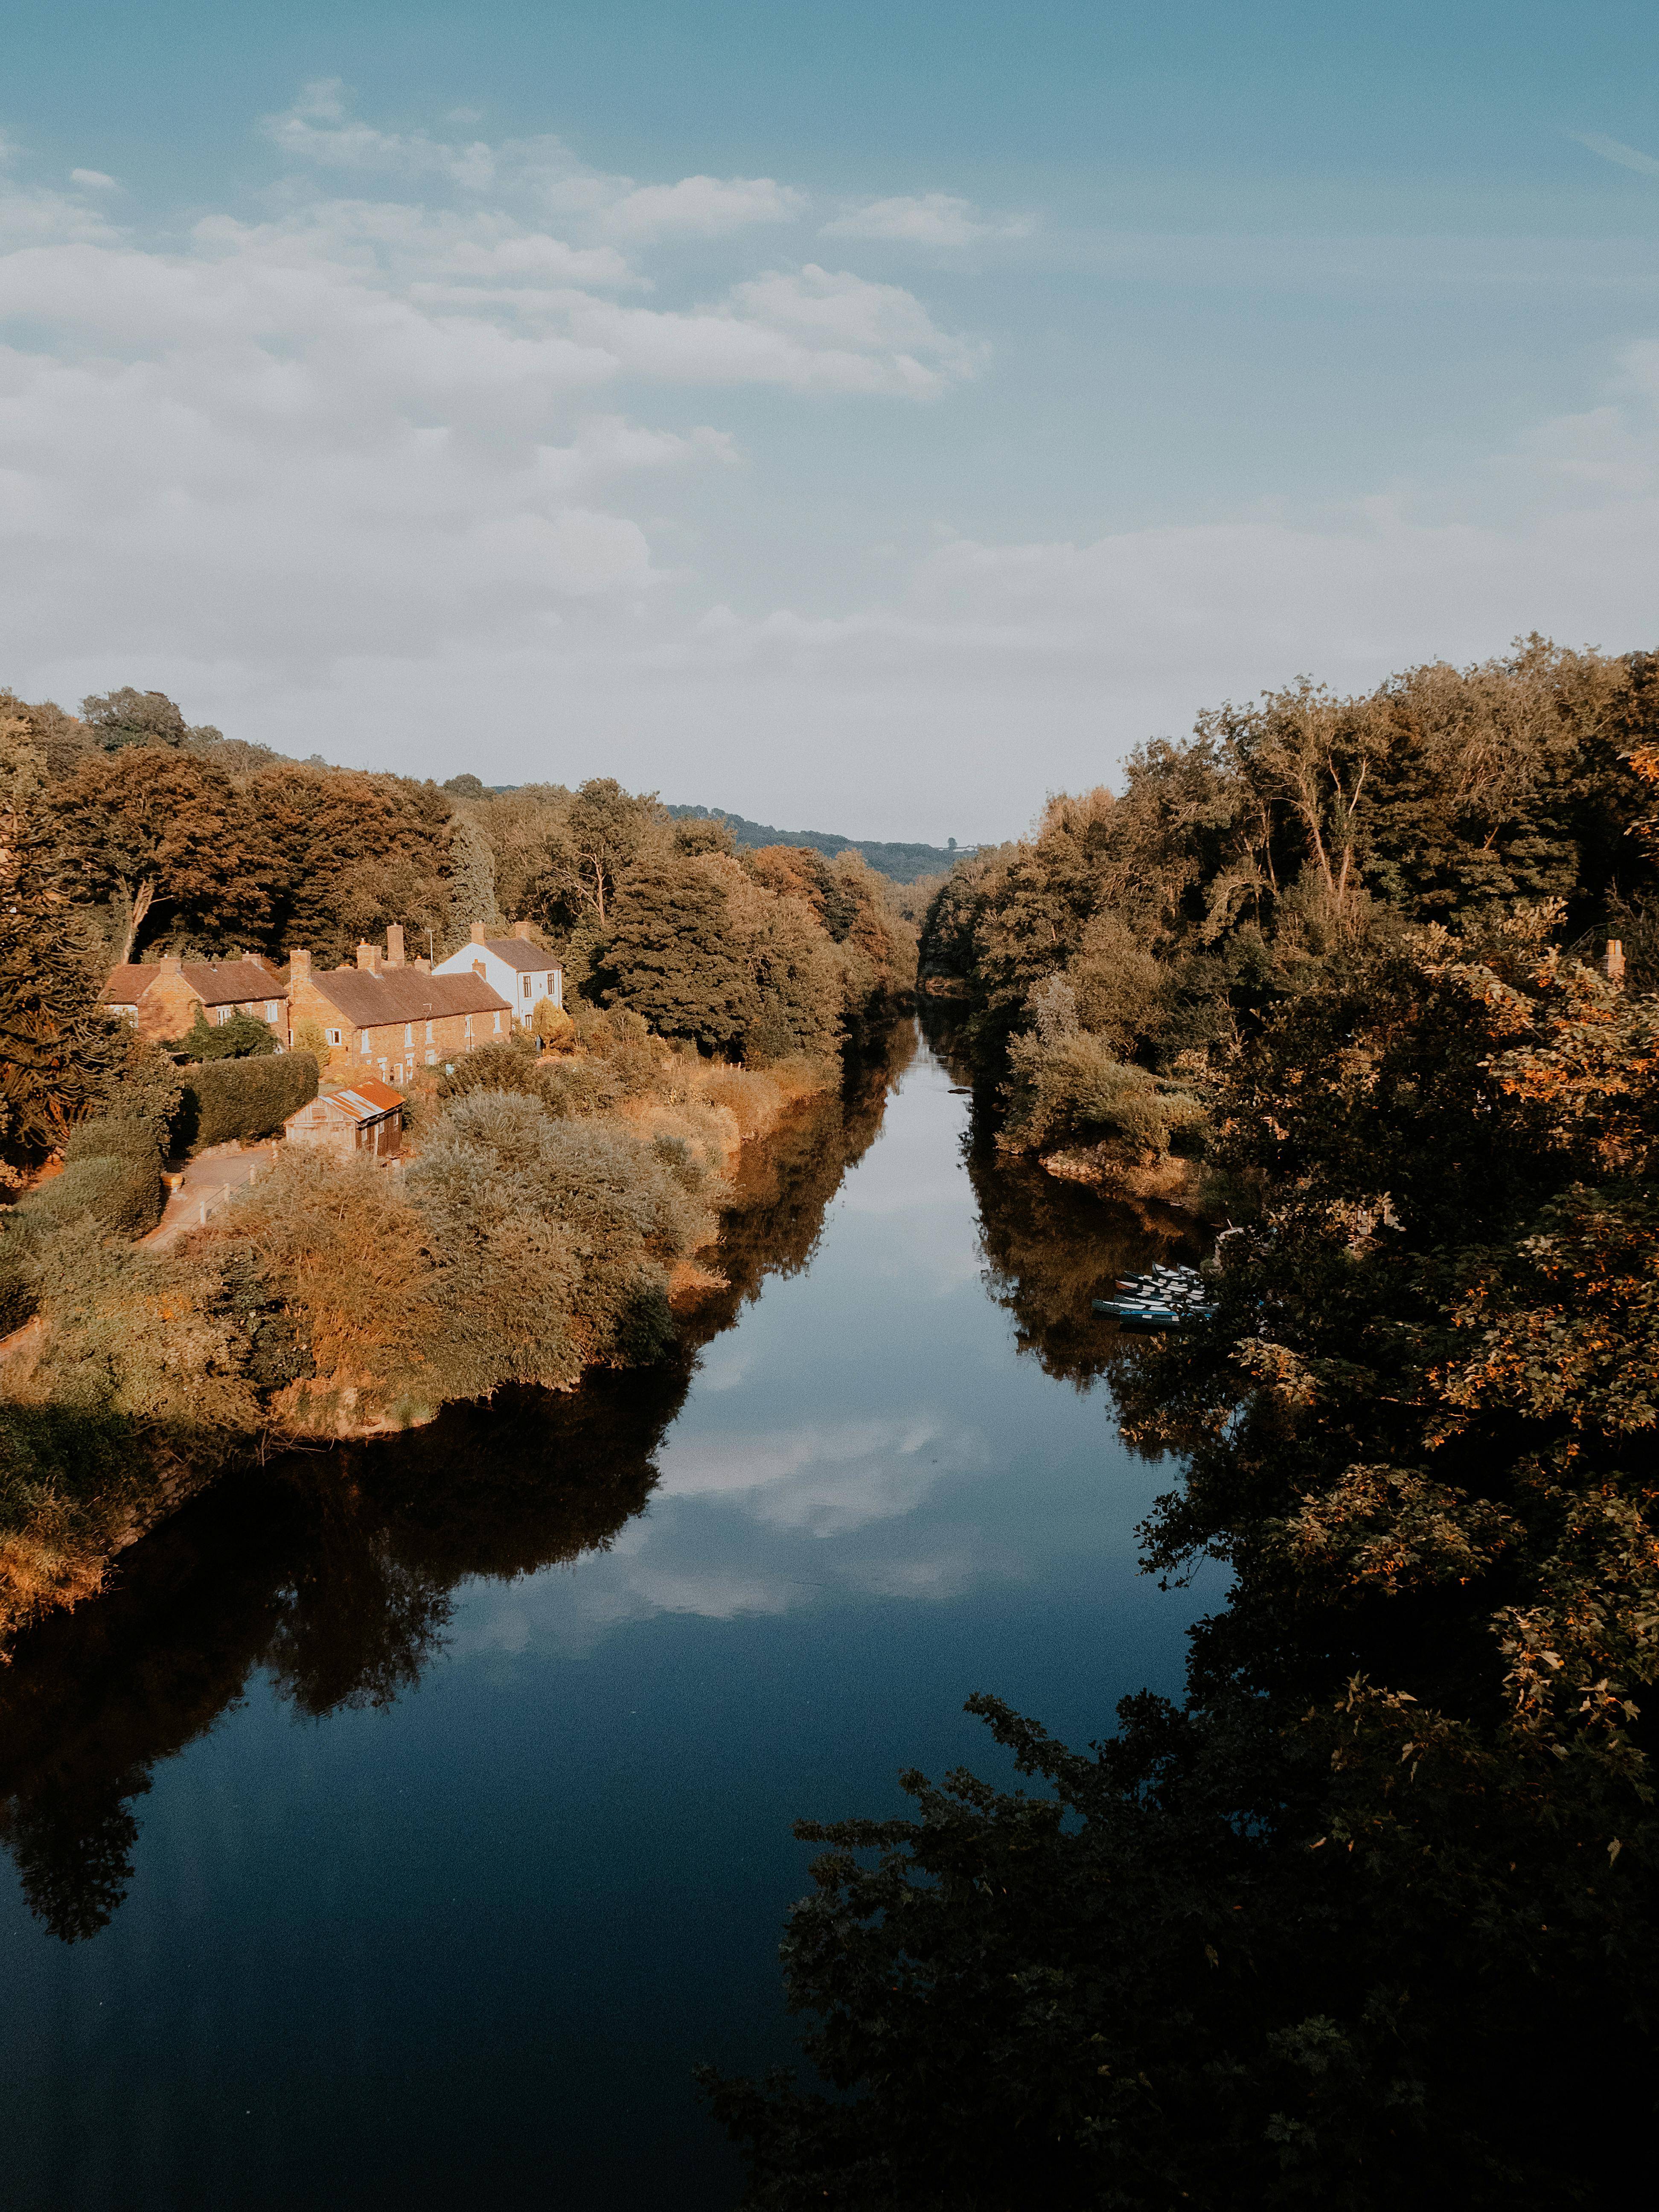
368 1117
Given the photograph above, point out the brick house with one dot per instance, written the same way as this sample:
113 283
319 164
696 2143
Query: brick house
386 1016
163 998
368 1117
513 966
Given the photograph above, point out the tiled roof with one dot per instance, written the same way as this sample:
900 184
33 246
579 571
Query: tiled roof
223 984
405 994
517 952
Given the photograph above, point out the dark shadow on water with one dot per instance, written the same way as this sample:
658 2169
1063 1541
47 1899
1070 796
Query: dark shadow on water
335 1570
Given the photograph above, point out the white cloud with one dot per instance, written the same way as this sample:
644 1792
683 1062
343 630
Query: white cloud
936 219
92 179
1613 149
703 207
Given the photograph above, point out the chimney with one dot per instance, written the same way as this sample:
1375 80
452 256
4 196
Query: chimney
394 944
478 967
299 968
1613 960
477 932
522 929
368 958
173 963
423 963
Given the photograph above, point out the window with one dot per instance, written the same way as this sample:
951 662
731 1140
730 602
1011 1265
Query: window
428 1037
334 1036
409 1032
362 1043
383 1071
272 1009
469 1025
495 1025
526 986
431 1057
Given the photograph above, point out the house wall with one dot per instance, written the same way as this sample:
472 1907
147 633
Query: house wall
170 1003
392 1050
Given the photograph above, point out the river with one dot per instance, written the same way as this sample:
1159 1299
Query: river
412 1818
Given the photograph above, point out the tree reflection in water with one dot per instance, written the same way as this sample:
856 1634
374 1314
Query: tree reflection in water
334 1571
1052 1247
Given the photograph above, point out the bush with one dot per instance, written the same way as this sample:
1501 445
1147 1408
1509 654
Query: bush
109 1137
1073 1090
552 1025
18 1298
501 1065
228 1098
123 1195
243 1036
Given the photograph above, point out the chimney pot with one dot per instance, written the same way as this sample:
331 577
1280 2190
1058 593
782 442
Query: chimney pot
477 932
368 958
478 967
423 963
394 945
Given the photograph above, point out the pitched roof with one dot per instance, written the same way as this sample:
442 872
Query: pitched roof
517 952
405 994
221 983
365 1101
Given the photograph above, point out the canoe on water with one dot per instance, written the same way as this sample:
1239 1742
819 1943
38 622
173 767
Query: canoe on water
1163 1298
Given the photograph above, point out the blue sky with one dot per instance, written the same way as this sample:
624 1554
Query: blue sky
865 417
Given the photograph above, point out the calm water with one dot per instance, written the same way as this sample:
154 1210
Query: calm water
413 1819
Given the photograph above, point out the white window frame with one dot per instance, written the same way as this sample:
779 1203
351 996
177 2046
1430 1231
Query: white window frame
334 1036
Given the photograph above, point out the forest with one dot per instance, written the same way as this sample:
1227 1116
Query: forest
1371 1916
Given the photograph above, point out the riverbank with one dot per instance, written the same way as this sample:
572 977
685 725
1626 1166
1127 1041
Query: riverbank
552 1216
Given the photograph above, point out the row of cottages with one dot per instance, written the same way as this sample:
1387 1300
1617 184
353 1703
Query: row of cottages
163 998
386 1015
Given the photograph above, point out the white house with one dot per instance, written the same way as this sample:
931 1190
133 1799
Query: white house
519 970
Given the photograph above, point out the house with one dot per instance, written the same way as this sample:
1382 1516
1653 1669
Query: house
163 998
368 1117
386 1016
519 970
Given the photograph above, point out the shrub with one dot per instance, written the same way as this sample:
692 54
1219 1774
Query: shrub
1072 1090
552 1025
243 1036
121 1194
503 1064
575 1090
228 1098
110 1137
17 1291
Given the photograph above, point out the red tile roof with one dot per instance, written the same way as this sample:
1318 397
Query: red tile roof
221 983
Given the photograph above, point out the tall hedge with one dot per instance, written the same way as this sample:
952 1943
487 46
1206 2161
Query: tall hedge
227 1098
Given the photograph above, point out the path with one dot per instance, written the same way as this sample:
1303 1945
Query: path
208 1180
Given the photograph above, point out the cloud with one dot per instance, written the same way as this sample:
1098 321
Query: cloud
92 181
701 207
935 219
1613 150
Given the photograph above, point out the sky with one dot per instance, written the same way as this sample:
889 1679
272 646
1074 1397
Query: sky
870 417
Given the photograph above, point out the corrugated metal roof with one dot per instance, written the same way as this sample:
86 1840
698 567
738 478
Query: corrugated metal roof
217 983
367 1100
405 995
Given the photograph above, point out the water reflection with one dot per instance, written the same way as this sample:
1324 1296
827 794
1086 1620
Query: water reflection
335 1572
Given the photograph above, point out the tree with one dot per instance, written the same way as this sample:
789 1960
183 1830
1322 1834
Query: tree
127 717
146 831
57 1044
352 853
674 959
604 831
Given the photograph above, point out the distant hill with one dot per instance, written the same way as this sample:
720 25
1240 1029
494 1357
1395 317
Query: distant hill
903 863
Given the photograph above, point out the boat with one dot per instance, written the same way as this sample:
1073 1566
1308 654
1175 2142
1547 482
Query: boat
1162 1298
